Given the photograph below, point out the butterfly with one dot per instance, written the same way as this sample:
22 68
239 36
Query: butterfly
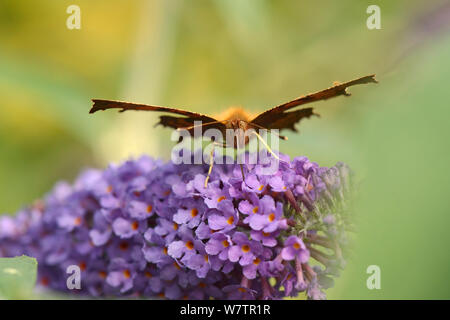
279 117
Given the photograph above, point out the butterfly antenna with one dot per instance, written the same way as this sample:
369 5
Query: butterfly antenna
200 125
266 145
270 130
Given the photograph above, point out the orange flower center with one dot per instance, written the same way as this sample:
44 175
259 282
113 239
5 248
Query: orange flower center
190 245
175 226
242 290
126 273
261 187
77 221
221 198
45 281
148 274
149 208
135 225
246 248
266 234
296 246
256 261
230 220
123 245
165 250
271 217
225 243
102 274
255 209
194 212
82 265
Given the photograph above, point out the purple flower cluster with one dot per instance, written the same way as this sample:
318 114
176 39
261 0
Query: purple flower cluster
152 229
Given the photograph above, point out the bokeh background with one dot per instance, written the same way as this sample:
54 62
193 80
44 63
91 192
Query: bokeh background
208 55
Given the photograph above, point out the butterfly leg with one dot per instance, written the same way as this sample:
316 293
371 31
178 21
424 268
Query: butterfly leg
211 161
242 171
211 164
266 145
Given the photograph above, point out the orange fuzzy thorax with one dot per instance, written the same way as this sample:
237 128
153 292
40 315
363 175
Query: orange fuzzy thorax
235 113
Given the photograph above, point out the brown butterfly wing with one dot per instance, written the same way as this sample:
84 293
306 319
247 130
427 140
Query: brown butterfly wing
278 118
189 122
175 122
166 121
287 120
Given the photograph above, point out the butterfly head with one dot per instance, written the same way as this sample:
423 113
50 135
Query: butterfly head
237 124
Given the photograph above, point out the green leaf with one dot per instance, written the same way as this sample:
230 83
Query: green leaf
17 277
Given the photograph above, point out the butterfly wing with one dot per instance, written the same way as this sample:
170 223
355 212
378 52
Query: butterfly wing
287 120
278 118
189 123
187 120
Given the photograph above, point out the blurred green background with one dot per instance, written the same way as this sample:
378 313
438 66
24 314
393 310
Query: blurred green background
208 55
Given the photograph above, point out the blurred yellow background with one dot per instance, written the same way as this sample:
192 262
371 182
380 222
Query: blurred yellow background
208 55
